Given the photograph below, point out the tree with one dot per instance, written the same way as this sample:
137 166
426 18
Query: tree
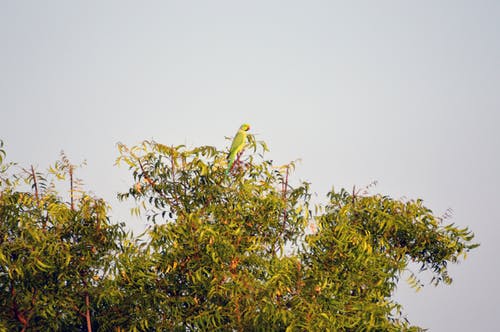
222 251
233 253
54 254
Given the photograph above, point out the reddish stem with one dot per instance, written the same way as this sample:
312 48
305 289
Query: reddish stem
35 184
87 313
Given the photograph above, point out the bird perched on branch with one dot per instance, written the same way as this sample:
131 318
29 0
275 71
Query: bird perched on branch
237 146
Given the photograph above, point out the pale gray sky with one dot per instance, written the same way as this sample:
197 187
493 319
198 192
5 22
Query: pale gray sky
405 93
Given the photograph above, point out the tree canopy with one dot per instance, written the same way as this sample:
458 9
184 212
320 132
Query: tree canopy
241 251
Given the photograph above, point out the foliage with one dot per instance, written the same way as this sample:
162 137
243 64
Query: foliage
363 246
223 252
234 254
54 254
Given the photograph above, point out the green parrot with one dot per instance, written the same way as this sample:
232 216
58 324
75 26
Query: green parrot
238 144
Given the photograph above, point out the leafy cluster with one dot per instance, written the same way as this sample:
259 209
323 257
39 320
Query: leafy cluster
54 253
237 252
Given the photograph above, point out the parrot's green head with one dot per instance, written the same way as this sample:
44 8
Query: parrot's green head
245 127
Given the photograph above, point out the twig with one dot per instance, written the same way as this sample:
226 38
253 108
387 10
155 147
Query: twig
37 195
172 163
35 184
284 187
354 193
71 190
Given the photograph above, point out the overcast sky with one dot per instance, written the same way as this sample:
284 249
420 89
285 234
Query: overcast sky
402 92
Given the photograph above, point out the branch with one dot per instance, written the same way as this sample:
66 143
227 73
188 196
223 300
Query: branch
237 161
78 311
87 312
19 314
